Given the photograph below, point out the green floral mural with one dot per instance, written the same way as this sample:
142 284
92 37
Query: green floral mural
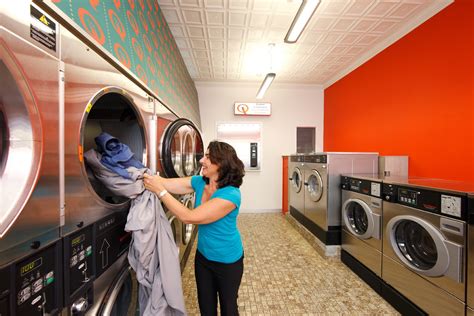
136 33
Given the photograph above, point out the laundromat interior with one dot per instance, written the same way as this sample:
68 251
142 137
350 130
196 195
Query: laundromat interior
355 128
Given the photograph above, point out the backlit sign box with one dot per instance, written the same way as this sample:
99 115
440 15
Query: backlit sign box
243 108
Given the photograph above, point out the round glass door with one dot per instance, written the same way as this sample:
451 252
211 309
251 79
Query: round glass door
21 140
419 245
114 112
181 149
122 299
296 180
315 186
358 218
416 245
188 228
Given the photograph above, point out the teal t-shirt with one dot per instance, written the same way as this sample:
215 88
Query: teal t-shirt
219 241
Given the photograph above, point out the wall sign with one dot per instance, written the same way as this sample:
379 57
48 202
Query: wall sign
244 108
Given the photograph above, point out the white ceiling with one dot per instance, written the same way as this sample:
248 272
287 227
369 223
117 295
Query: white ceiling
228 40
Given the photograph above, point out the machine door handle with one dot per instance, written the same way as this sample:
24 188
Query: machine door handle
306 183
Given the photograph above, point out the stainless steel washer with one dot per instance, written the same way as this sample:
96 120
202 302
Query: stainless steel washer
362 219
424 245
470 258
296 177
322 190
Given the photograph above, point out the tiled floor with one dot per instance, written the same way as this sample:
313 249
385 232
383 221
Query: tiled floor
284 275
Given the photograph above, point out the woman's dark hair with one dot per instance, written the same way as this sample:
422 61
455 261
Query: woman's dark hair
231 168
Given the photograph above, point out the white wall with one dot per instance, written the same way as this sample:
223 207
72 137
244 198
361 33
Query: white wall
292 106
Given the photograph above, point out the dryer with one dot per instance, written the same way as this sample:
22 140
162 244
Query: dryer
424 244
29 127
179 151
296 168
361 214
98 98
470 257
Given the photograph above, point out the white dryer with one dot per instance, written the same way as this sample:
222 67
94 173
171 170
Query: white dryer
424 244
29 130
361 215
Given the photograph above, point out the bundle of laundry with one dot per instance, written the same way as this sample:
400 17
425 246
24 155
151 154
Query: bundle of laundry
153 253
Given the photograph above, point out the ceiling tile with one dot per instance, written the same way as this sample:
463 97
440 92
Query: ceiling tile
262 5
349 38
384 26
182 43
177 31
239 4
216 44
255 35
192 16
189 3
236 34
218 4
281 21
322 23
333 7
234 45
332 38
201 54
171 15
364 25
343 24
404 10
165 3
358 7
198 44
381 9
368 39
259 20
196 31
216 33
215 17
237 18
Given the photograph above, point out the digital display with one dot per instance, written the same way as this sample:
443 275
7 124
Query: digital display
78 240
31 266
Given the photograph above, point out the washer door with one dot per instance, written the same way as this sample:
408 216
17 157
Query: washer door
360 220
422 247
314 186
296 180
181 149
21 139
122 298
188 228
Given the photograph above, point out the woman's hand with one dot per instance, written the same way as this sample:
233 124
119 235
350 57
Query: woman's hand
153 183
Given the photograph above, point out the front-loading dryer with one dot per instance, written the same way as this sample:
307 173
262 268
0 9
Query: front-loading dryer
98 98
361 214
29 130
424 244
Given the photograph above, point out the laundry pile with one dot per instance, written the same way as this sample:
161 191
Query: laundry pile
153 253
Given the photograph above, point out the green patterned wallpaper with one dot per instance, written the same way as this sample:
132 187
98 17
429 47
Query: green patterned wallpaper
136 33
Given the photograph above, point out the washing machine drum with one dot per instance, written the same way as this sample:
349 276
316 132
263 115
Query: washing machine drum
423 248
360 220
297 180
314 185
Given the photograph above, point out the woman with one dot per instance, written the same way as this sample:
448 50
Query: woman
219 257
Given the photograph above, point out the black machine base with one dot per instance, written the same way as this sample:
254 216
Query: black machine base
392 296
330 237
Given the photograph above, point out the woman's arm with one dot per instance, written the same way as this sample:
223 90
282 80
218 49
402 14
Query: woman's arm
172 185
206 213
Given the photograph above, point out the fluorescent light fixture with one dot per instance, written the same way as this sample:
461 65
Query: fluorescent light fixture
305 13
265 85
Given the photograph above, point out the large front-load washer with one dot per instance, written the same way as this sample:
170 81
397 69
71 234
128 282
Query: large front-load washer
296 176
470 257
29 130
322 191
424 243
361 214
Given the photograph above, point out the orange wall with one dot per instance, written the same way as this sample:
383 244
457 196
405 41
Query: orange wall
414 98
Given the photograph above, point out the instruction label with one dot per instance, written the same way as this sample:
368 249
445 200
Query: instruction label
42 29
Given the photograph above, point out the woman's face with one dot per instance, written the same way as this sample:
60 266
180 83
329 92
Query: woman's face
209 169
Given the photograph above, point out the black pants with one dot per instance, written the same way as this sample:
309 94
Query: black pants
215 278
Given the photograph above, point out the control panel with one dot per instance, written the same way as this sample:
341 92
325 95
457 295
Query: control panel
253 155
5 304
438 202
37 283
362 186
316 158
297 158
471 209
78 270
111 240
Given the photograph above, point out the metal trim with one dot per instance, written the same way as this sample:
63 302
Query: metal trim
370 232
315 196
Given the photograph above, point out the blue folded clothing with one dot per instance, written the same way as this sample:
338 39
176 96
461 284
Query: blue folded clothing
115 155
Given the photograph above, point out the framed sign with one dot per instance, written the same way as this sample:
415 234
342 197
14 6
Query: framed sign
259 109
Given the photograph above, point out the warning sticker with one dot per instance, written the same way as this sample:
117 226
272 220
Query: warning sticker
42 29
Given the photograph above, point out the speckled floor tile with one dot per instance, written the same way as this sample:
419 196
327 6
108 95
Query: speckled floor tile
285 275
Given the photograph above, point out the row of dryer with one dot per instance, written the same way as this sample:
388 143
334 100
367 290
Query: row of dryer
408 239
61 231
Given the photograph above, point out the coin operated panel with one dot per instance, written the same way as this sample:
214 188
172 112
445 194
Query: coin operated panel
78 271
36 284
